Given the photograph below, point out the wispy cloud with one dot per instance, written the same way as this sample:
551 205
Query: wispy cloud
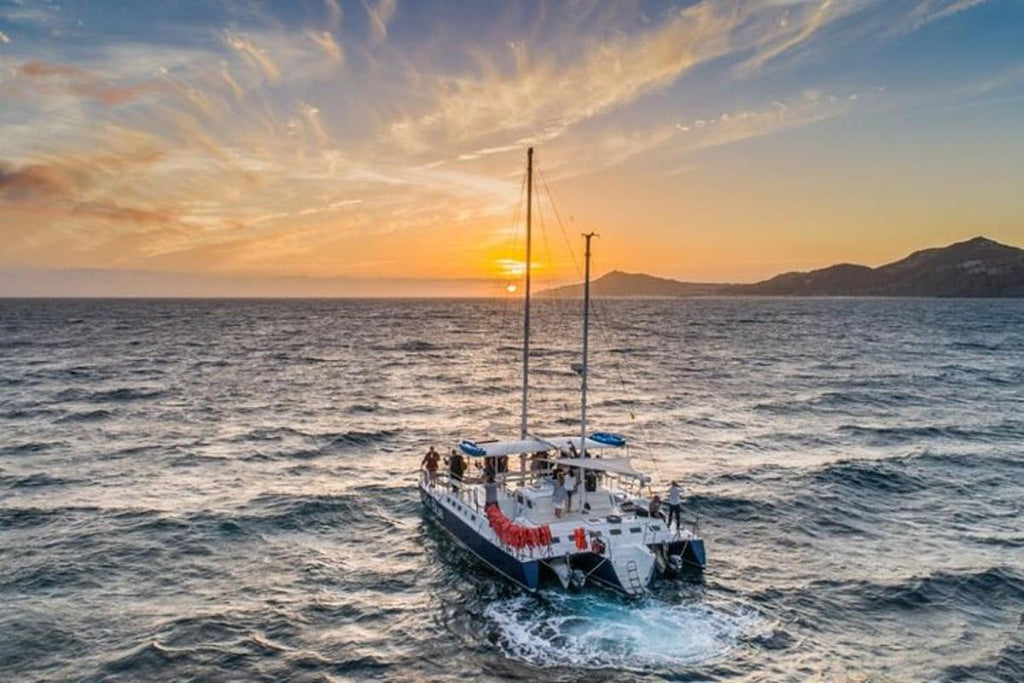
380 13
253 54
80 82
304 139
540 96
928 11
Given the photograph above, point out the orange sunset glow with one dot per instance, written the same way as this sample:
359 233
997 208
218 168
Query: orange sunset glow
378 148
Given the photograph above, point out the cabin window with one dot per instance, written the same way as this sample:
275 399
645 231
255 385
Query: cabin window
655 527
529 504
634 529
615 532
555 539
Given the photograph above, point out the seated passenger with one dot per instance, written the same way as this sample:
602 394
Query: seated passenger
655 507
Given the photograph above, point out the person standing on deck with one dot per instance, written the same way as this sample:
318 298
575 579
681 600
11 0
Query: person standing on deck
675 508
570 488
558 495
430 461
490 493
457 466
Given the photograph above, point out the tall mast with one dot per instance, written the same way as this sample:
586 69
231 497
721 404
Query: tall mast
586 330
526 307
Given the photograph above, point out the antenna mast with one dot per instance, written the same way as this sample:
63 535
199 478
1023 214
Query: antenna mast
526 307
586 329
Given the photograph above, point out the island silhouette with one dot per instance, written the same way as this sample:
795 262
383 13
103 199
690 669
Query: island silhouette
978 267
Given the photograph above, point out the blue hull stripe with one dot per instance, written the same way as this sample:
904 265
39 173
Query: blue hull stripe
526 574
693 551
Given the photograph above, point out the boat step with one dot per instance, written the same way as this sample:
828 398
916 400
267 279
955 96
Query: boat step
562 571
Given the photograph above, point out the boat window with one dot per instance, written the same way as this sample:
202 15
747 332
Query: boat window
634 529
615 532
655 527
555 539
529 504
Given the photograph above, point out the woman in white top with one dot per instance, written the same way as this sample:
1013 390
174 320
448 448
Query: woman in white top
570 488
675 508
558 495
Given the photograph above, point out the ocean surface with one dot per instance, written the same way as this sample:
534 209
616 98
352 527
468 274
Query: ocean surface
225 490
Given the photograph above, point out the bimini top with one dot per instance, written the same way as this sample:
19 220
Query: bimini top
622 466
563 444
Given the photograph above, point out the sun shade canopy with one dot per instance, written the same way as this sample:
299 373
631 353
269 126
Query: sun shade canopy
622 466
563 444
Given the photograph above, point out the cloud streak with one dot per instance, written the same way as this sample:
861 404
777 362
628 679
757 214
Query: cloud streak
306 138
380 13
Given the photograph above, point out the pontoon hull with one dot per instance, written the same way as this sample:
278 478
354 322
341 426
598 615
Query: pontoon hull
525 574
692 552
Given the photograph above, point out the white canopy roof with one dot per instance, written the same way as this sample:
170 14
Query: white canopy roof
497 448
490 449
622 466
563 444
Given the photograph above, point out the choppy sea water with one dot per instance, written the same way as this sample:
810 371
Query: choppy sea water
226 489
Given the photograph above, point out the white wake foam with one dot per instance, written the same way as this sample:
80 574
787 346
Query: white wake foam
595 631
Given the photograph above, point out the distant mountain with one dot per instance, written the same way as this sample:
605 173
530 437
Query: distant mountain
978 267
630 285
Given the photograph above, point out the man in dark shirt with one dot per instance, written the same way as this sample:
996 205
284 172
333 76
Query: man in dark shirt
457 466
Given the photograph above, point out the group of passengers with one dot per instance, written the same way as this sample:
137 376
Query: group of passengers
457 467
565 481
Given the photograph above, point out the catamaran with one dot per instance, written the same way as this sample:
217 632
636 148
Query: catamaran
612 534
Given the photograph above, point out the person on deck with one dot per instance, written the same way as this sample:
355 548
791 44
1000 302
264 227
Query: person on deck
675 508
537 463
490 493
430 461
570 488
457 467
558 496
655 507
488 468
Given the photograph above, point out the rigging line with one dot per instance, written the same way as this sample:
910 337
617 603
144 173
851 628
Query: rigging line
599 313
645 448
558 218
503 295
561 305
501 302
617 364
514 239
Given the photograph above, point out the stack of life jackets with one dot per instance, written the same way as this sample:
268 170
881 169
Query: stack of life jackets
514 535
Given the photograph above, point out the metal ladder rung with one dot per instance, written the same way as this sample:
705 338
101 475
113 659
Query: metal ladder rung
633 573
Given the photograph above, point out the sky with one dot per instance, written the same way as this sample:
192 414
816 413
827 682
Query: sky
377 147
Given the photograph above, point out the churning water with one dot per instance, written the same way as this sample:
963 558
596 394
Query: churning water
226 489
